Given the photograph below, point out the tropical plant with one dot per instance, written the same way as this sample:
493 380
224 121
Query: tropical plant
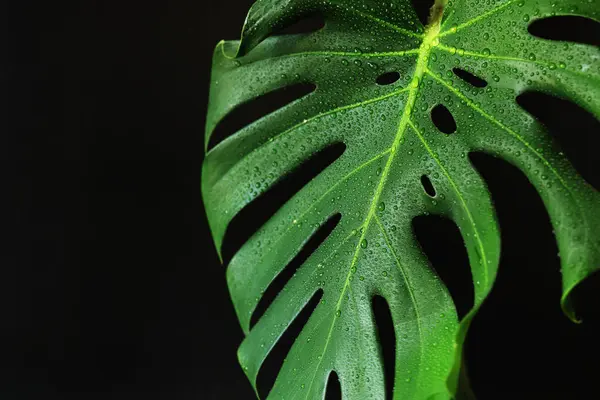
472 59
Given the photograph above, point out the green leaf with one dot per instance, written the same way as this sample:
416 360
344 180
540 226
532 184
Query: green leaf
375 185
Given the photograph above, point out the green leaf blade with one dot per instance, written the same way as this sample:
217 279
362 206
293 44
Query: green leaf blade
375 185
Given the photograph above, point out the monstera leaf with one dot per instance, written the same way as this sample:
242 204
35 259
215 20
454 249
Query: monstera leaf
391 144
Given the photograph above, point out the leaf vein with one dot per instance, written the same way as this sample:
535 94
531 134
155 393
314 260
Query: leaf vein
461 198
542 63
409 288
501 125
477 18
385 23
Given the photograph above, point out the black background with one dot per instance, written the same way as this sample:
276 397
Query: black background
110 286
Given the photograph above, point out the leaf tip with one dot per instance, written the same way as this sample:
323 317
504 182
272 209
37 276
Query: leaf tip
568 308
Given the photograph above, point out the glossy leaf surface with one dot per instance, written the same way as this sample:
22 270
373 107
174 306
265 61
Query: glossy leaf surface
379 74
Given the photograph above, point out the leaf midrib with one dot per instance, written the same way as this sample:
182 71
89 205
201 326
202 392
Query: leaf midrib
427 45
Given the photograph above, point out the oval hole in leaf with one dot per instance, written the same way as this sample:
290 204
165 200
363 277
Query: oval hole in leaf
445 248
334 389
388 78
272 365
254 215
521 319
423 8
567 28
443 120
428 186
307 24
253 110
470 78
575 130
288 272
387 340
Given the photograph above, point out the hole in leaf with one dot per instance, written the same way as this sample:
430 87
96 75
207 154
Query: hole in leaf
423 8
470 78
428 186
572 127
307 24
251 111
255 214
334 389
388 78
443 119
445 248
284 276
272 365
567 28
387 339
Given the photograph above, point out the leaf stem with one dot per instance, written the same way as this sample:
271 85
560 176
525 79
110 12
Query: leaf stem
436 13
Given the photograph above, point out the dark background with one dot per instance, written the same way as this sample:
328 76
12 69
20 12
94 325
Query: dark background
110 287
